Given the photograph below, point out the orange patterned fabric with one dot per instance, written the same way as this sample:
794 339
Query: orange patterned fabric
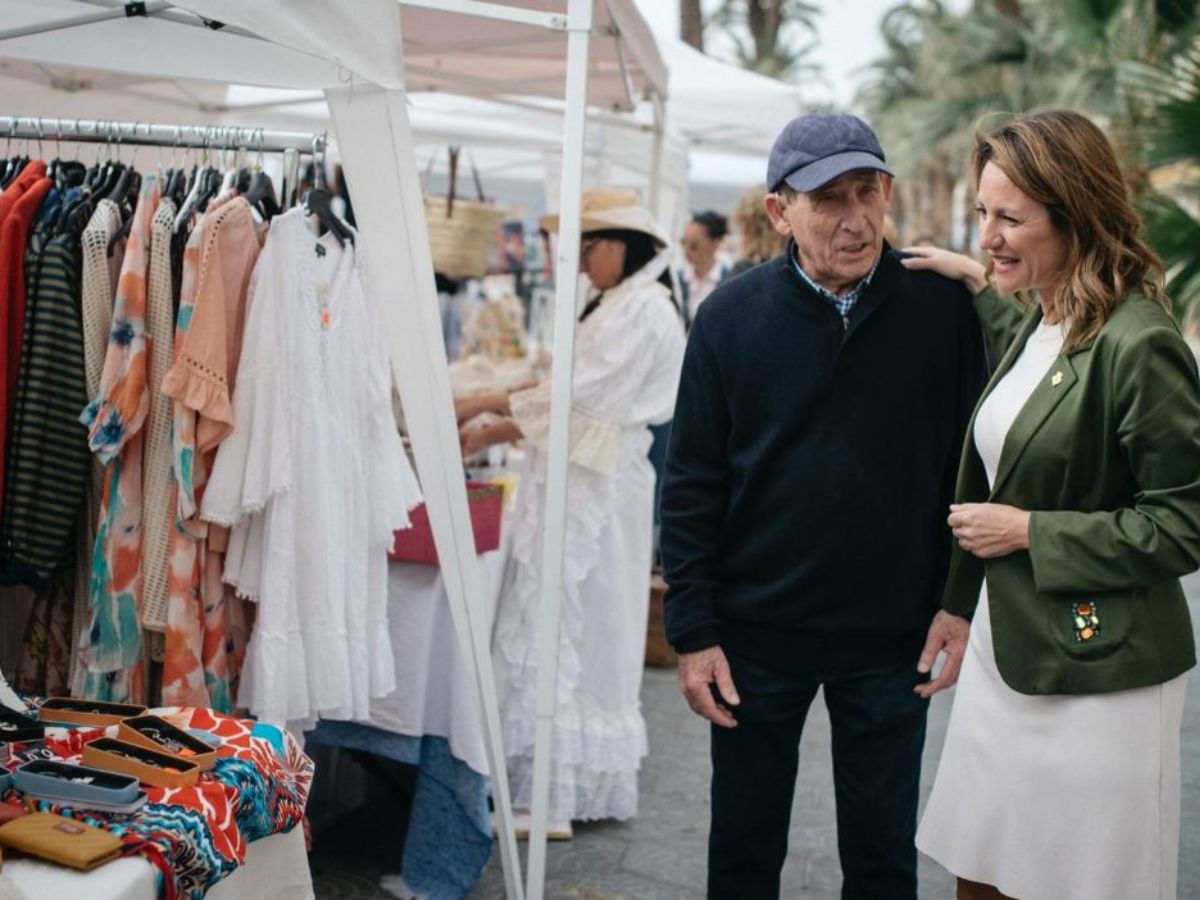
111 645
203 652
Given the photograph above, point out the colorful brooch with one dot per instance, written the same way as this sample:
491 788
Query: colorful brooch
1086 616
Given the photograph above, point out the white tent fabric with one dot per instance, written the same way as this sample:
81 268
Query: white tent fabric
358 60
720 119
315 44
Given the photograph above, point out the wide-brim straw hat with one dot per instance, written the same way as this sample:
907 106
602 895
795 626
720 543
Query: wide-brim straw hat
602 209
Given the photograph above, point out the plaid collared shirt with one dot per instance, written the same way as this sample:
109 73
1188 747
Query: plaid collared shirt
844 303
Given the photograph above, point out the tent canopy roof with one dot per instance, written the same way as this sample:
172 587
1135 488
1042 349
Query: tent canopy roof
327 46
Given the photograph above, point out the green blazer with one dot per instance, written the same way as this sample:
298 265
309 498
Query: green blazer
1106 457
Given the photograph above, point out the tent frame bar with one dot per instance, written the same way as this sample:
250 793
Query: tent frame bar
151 8
553 21
554 519
145 134
115 9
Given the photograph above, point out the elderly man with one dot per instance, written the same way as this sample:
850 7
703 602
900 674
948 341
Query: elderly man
822 407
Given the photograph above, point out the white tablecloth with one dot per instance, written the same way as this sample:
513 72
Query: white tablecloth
436 695
276 867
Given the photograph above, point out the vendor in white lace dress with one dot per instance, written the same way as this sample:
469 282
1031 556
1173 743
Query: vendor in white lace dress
1078 509
628 355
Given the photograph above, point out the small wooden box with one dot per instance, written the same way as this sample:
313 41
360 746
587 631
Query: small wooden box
659 654
97 713
132 731
147 766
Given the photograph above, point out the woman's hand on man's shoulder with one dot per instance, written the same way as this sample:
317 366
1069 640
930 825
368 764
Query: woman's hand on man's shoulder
948 264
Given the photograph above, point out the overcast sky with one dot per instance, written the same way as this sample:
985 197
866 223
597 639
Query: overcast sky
849 40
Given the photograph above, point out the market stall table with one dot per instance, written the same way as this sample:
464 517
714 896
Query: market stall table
275 867
433 723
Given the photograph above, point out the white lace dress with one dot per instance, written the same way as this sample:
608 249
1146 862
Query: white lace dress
1061 797
627 362
313 480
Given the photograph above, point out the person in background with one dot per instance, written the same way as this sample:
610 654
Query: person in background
1077 510
822 405
628 353
758 240
701 241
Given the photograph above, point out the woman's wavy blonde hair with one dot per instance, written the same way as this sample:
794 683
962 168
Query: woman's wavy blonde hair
758 240
1064 162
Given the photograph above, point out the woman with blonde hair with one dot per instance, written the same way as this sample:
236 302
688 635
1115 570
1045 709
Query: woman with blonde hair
1077 510
758 240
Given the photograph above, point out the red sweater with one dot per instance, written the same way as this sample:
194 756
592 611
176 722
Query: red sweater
29 190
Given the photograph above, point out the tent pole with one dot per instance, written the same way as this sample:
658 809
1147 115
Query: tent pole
579 18
396 239
656 157
153 8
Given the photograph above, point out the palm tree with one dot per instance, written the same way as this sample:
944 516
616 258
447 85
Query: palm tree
1170 154
1132 65
771 37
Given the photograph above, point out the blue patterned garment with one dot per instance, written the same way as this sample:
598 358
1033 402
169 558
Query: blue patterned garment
449 838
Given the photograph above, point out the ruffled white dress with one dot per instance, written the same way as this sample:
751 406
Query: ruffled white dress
313 480
628 357
1061 797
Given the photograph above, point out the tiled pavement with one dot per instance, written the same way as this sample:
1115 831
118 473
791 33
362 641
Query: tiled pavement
660 854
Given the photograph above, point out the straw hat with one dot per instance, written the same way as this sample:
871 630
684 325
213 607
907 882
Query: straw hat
606 208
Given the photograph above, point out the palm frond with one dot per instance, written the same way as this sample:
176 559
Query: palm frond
1175 235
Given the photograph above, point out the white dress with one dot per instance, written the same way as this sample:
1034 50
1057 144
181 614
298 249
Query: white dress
313 480
628 357
1060 797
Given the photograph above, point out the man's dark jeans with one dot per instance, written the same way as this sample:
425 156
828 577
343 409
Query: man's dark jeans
878 728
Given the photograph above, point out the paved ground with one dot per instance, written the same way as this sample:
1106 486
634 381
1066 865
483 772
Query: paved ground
660 855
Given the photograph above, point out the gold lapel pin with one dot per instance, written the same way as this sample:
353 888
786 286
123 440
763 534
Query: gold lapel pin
1056 378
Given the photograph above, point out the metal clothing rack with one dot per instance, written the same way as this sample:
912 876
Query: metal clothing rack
145 134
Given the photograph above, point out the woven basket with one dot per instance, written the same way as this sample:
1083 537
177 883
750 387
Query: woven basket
462 233
463 238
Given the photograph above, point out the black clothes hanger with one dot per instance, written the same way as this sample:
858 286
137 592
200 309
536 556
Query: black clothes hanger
260 193
69 173
127 183
241 181
112 175
318 202
15 165
210 187
174 185
124 194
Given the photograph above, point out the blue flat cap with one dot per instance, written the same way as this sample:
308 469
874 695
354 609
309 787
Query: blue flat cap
814 149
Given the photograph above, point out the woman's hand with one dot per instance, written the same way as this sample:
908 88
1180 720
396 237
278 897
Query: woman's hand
466 408
474 439
952 265
989 530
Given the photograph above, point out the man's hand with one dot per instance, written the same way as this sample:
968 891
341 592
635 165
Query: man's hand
989 530
696 672
947 634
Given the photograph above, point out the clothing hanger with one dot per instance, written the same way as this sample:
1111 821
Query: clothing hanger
291 174
195 187
319 202
13 165
260 191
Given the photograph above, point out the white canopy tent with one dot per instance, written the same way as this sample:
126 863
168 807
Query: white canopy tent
720 120
357 60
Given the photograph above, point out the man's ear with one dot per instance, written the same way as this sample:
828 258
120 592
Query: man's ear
885 183
774 206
